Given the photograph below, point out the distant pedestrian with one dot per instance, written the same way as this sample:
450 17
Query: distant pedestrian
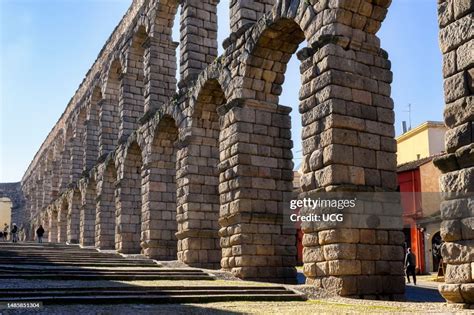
39 233
5 232
1 235
410 265
14 233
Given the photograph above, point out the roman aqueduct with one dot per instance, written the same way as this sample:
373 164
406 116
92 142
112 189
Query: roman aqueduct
197 170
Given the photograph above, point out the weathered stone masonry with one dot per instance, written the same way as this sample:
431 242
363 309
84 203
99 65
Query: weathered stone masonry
201 173
457 210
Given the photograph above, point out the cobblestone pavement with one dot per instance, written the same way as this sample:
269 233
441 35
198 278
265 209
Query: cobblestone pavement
325 306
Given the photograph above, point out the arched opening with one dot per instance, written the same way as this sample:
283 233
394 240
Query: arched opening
159 223
91 139
136 73
5 213
88 213
105 220
256 164
129 212
109 118
198 183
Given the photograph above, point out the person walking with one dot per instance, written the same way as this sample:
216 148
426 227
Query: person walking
39 233
410 265
5 232
14 233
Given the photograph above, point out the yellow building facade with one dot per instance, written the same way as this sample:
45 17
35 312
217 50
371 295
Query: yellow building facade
5 212
423 141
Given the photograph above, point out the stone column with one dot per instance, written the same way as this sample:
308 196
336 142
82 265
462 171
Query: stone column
62 223
77 146
348 145
105 216
129 202
457 165
91 137
198 42
244 12
65 165
73 216
131 103
159 72
198 202
88 212
53 225
256 172
108 124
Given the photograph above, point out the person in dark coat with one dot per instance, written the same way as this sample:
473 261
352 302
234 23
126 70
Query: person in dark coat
14 233
39 233
410 265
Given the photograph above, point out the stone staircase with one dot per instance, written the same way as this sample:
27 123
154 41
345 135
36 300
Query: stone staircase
68 274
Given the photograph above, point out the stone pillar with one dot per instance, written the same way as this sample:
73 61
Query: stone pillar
77 154
91 137
88 212
457 165
105 216
108 125
62 222
53 226
198 42
160 71
47 186
73 216
55 171
65 164
198 202
256 172
348 145
129 203
159 194
244 12
131 103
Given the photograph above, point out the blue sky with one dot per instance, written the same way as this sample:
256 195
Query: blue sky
46 48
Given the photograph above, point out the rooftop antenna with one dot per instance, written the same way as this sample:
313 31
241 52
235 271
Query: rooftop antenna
409 116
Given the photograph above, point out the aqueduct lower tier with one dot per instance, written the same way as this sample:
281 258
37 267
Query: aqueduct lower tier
201 174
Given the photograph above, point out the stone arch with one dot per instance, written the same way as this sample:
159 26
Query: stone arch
265 64
45 221
92 128
198 181
129 207
16 194
105 217
159 209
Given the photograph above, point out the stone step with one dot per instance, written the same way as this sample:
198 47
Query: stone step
84 264
106 276
159 294
156 298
